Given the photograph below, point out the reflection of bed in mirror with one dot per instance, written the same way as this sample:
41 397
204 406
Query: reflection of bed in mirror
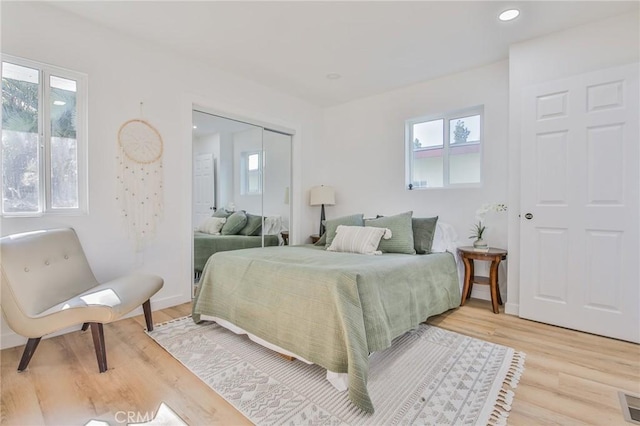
205 244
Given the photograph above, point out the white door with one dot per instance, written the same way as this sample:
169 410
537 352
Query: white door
203 188
580 187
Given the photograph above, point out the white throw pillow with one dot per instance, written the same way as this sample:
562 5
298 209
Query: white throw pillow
272 225
359 239
212 225
445 238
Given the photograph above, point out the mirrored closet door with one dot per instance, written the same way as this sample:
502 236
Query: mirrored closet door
241 186
276 184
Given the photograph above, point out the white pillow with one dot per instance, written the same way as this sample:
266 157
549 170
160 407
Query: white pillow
212 225
445 238
359 239
272 225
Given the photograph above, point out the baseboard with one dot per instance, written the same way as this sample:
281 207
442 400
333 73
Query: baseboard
10 339
512 309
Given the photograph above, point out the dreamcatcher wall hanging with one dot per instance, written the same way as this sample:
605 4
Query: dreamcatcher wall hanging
140 179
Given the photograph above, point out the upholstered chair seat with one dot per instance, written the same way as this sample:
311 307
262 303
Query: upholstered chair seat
48 285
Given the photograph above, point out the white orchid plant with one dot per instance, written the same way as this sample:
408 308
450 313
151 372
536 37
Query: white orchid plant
478 229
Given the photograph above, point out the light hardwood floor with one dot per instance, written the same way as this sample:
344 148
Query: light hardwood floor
570 378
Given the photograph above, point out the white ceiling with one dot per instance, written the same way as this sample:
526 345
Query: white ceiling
375 46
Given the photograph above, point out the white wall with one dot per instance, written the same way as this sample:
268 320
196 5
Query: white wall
122 73
362 154
599 45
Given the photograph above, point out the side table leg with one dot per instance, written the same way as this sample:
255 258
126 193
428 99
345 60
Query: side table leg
468 277
493 281
472 274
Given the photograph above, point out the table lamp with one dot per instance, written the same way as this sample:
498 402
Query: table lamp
319 196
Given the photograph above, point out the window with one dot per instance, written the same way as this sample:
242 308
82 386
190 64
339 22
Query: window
43 139
444 150
252 172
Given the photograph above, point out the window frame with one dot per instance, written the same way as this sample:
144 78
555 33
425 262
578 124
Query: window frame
446 143
45 71
246 173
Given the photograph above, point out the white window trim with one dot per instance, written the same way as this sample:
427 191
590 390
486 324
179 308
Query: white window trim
446 117
44 139
246 172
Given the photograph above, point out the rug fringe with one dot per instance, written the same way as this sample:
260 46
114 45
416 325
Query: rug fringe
515 370
497 414
504 399
160 324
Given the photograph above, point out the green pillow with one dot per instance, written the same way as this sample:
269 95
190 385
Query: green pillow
253 226
234 223
424 228
332 224
322 241
401 240
221 213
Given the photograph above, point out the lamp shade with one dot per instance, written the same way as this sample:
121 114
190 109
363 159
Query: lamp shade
322 195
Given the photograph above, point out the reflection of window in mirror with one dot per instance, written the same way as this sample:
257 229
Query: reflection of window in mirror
251 168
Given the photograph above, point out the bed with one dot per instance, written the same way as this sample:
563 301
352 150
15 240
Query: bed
330 308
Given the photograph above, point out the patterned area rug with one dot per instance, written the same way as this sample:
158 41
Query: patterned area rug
428 376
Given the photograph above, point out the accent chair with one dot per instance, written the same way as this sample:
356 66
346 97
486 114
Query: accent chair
47 285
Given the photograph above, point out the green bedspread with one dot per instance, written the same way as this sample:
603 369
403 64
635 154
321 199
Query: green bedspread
204 245
331 308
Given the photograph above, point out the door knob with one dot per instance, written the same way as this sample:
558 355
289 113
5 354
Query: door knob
528 216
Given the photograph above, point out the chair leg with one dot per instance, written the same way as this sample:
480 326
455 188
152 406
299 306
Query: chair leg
85 326
146 307
29 349
98 342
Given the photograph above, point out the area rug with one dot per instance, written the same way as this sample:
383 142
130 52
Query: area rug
428 376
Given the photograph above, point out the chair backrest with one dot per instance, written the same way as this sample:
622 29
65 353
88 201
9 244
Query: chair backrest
41 269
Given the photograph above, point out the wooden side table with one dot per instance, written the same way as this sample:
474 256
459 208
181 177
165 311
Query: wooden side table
314 238
285 237
494 255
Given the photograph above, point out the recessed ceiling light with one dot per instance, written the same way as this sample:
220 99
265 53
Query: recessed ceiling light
59 103
333 76
509 14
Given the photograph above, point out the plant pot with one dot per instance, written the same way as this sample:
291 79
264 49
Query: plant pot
479 243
